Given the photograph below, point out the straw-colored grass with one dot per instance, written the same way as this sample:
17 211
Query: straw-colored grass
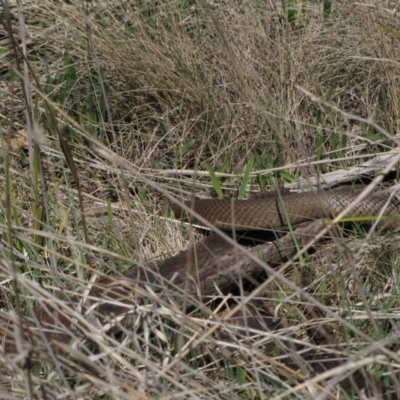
117 104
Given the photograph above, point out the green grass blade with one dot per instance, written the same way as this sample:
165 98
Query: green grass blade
215 181
246 179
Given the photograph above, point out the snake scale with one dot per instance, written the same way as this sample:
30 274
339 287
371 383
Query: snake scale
279 210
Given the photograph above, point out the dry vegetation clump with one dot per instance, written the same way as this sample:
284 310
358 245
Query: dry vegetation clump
117 105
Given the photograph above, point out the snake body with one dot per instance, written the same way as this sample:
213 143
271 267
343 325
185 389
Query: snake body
279 210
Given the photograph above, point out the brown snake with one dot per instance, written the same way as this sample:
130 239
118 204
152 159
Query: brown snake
213 263
270 211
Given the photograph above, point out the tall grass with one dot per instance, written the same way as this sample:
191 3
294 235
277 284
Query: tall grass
134 100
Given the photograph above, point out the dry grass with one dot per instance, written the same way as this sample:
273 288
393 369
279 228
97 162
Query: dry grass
176 89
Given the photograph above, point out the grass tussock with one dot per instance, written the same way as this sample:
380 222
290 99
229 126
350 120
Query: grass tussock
109 107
